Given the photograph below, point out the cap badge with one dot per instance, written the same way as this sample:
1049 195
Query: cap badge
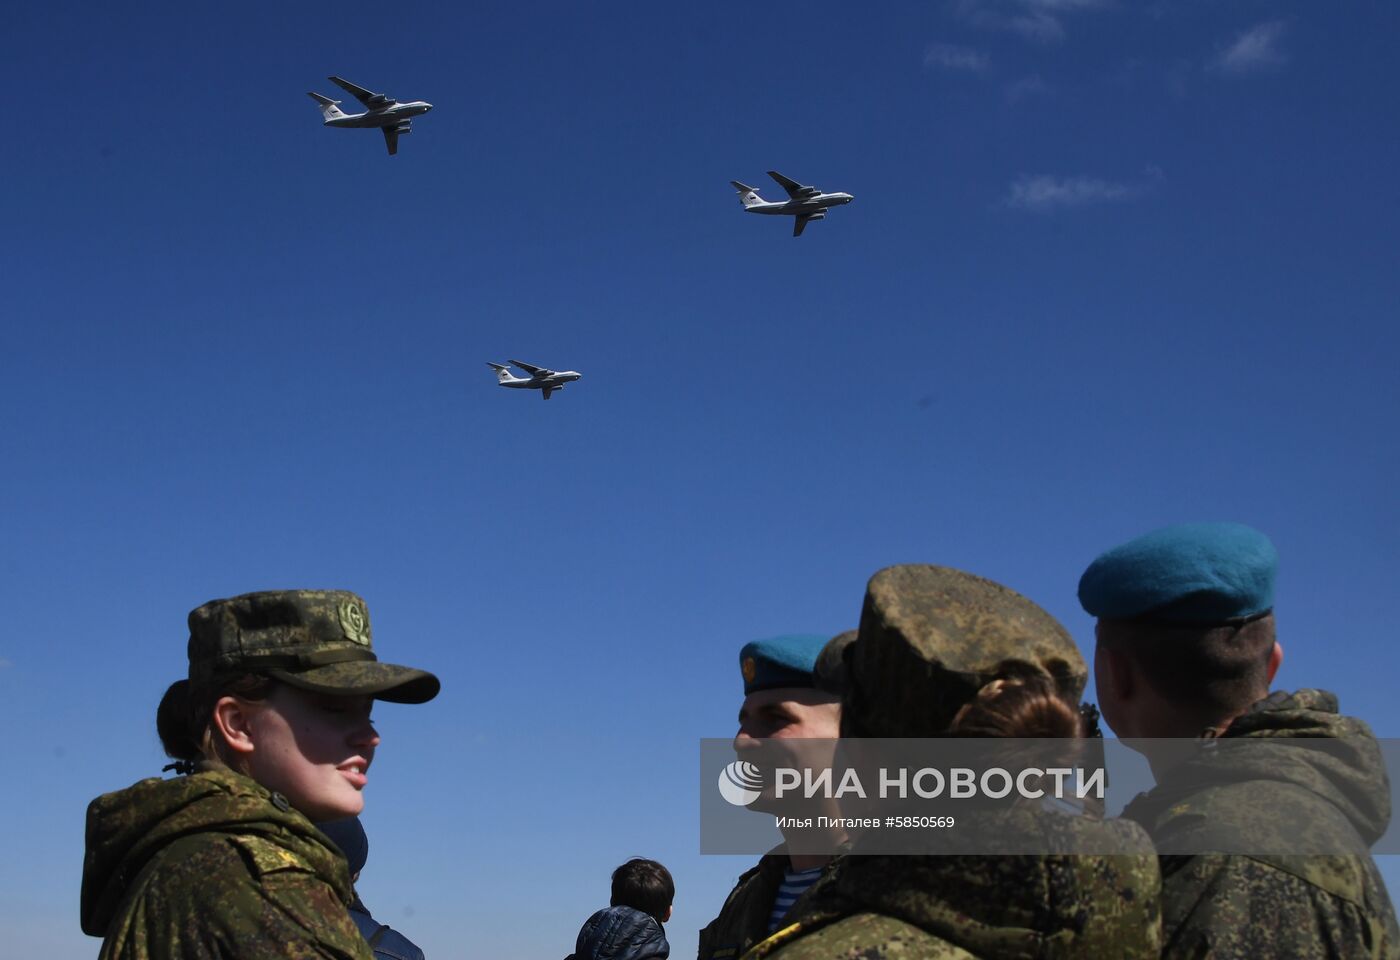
749 668
352 621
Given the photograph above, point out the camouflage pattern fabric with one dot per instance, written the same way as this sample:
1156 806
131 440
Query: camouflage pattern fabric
931 637
829 672
211 867
1301 907
875 907
317 640
743 920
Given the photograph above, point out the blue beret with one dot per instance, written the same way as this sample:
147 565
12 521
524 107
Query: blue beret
1192 573
780 661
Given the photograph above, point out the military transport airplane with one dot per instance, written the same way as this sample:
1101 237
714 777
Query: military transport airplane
383 112
804 203
539 378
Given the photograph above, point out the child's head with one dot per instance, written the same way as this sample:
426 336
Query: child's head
644 885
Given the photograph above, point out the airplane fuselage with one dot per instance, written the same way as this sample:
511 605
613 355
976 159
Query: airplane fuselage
810 205
538 383
387 117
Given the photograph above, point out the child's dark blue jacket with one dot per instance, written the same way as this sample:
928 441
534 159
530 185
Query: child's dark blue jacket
621 933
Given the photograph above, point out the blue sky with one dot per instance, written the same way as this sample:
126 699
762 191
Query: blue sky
1109 266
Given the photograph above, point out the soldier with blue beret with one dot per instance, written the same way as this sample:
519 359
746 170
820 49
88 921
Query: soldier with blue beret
791 690
1186 651
941 652
777 662
1193 573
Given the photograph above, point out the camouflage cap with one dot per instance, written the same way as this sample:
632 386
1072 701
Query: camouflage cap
931 637
317 640
829 673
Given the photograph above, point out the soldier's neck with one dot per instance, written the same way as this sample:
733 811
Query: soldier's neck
817 833
1172 742
808 861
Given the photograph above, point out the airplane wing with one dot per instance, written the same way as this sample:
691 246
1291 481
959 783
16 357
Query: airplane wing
800 225
370 99
547 391
391 139
534 371
794 189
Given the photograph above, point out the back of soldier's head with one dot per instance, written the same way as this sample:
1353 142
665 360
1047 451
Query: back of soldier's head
1192 606
942 651
644 885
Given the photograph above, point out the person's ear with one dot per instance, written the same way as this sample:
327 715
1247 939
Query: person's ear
667 918
1275 661
1115 668
233 719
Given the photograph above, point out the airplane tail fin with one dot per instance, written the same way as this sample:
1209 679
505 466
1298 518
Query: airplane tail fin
502 371
747 194
329 110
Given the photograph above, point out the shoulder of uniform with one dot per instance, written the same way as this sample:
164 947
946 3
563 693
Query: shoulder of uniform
1343 877
265 856
866 935
748 874
1337 898
1303 879
199 869
768 868
211 853
1222 817
199 853
745 888
744 916
771 865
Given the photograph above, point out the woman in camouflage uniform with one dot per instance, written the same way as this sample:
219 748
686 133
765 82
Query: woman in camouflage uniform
942 653
270 732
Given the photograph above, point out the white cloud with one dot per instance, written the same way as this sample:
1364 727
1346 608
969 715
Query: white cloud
1031 86
1035 20
949 57
1036 25
1255 49
1042 193
5 663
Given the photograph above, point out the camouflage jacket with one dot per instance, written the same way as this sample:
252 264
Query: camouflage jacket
955 907
1301 907
743 920
213 866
